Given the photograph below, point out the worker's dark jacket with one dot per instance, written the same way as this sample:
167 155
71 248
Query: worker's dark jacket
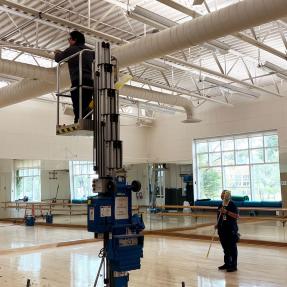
226 223
73 63
228 234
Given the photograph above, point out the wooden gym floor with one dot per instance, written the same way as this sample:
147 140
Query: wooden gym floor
167 261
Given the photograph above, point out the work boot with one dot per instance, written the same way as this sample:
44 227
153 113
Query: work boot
222 267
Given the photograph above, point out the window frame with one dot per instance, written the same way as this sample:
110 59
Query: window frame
76 164
25 177
247 137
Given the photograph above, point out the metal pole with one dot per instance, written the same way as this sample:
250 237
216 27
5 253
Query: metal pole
213 236
89 13
99 271
80 86
95 120
108 279
58 96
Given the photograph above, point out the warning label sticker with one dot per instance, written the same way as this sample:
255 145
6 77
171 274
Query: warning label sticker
106 211
122 207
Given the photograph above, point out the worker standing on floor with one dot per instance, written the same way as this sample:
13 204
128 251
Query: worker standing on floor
228 231
77 43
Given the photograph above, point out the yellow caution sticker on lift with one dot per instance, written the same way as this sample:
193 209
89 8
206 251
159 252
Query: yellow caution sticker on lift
64 130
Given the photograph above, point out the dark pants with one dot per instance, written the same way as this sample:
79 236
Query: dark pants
228 242
87 96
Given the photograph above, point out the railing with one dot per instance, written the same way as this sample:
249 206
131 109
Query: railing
196 224
280 213
63 93
257 225
41 208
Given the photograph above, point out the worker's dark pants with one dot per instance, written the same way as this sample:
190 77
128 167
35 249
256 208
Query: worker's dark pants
87 96
228 241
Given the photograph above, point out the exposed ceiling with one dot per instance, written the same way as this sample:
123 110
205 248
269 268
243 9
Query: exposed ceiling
255 57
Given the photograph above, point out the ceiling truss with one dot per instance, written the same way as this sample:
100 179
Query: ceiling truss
234 62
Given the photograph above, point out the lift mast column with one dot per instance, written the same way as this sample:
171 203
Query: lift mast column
110 211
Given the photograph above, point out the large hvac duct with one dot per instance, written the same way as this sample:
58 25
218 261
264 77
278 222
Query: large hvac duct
23 90
154 96
37 81
31 88
21 70
242 15
45 53
234 18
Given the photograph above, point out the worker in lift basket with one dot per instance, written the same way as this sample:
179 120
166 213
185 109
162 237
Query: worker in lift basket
227 215
77 43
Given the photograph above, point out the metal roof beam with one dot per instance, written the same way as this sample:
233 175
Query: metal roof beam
239 35
231 79
260 45
177 90
57 20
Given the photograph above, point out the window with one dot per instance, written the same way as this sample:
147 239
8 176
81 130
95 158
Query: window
81 175
245 164
159 180
28 180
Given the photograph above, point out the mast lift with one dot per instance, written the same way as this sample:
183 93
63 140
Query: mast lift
110 210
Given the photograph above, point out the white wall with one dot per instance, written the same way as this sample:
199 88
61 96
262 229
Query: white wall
49 185
54 174
171 140
6 167
50 182
28 132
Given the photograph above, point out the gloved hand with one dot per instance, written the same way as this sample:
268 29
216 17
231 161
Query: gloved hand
57 51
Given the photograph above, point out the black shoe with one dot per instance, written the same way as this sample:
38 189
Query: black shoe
231 269
223 267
